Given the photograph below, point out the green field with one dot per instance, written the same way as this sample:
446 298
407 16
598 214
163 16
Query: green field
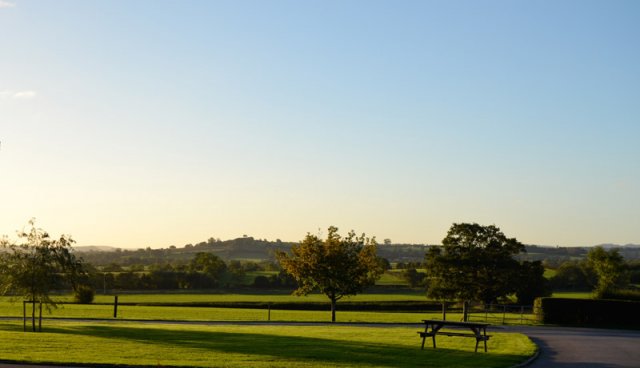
254 346
177 313
202 313
573 294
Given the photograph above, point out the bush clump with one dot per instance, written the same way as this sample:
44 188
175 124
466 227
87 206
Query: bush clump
589 312
84 294
622 294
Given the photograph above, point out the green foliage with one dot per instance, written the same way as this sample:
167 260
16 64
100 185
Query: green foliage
574 275
610 268
413 277
531 282
475 263
622 294
37 265
337 266
84 294
589 312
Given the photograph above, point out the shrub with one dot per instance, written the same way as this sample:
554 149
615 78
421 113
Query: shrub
261 282
84 294
625 294
588 312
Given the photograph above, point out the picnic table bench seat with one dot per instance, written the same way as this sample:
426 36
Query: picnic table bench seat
433 328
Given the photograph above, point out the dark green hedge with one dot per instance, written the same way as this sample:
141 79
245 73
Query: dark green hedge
407 306
589 312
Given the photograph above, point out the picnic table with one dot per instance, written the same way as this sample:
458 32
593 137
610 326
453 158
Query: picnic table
433 327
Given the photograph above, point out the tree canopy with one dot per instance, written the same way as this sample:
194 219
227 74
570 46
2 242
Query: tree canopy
609 268
476 262
337 266
37 265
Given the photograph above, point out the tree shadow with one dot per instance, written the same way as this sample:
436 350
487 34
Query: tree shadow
294 348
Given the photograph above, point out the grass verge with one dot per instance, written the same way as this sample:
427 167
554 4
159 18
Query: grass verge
255 346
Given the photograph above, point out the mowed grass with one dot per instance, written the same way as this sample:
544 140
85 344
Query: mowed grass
573 294
251 346
190 313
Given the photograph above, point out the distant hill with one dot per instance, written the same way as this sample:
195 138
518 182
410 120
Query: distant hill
609 245
259 250
245 248
95 248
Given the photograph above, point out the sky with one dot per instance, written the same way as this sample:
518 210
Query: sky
156 123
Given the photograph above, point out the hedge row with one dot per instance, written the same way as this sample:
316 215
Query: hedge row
406 306
589 312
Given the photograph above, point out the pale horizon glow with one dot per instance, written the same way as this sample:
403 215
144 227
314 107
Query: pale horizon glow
158 123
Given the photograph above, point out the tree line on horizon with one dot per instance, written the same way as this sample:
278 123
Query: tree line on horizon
474 263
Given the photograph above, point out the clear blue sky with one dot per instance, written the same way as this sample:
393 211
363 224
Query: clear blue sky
157 123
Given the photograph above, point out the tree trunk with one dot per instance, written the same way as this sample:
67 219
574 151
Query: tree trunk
40 318
33 315
333 309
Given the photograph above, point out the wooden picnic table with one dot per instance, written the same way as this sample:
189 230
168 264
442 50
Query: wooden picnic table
433 327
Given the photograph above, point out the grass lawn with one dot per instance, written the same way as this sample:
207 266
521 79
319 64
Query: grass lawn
105 311
251 346
573 294
93 311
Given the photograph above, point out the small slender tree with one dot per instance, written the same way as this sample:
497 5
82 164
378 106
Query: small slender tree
610 269
337 266
37 265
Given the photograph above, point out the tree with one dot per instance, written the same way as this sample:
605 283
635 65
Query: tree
474 263
337 266
206 269
37 266
413 277
609 267
574 275
531 282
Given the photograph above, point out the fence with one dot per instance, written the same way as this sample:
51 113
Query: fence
505 314
494 314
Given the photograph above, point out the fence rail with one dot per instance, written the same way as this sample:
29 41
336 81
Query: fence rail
494 314
504 314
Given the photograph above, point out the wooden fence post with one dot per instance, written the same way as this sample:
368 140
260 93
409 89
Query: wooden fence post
504 313
24 316
465 311
269 313
444 311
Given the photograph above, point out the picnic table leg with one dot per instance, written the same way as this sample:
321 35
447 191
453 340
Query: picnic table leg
478 337
434 331
424 336
484 331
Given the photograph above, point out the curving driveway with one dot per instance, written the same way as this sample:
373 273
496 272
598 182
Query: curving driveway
566 347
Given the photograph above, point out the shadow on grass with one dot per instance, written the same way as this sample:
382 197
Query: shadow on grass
294 348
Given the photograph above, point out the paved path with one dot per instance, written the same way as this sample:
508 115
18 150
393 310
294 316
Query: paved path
565 347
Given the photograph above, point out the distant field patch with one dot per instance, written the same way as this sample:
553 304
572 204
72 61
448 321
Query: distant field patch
254 346
573 294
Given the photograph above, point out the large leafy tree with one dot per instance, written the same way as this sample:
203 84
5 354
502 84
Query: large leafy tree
475 262
337 266
36 265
